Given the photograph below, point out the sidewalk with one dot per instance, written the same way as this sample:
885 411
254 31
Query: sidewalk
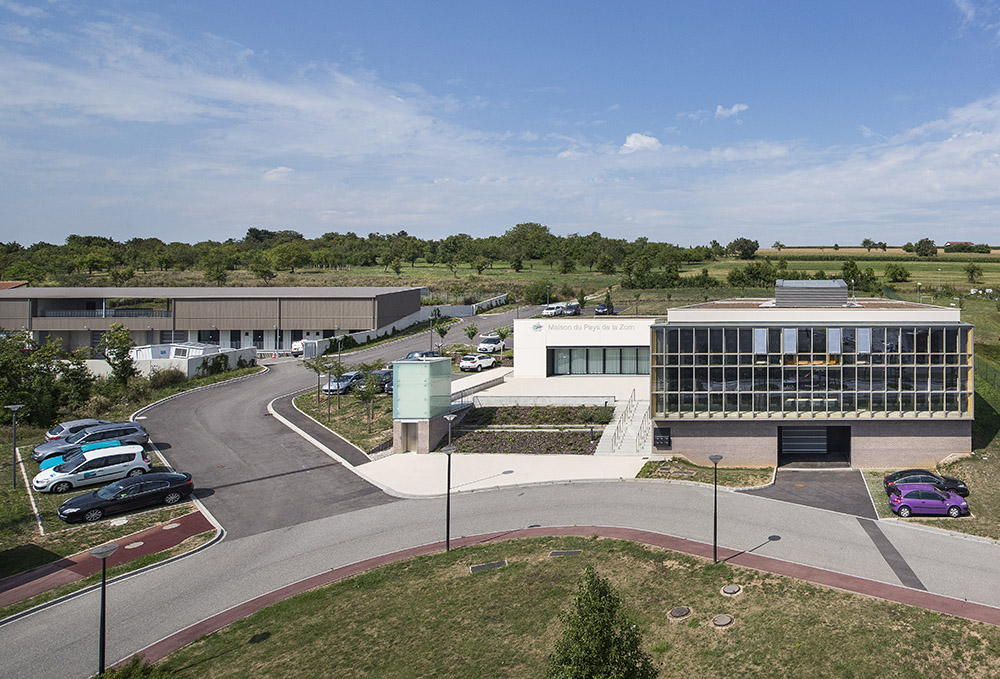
72 568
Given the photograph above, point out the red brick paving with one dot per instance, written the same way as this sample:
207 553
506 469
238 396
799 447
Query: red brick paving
72 568
849 583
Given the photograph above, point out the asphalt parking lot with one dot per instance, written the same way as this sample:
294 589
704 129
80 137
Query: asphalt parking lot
839 490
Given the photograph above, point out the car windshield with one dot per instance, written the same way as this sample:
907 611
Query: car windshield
109 492
470 358
491 340
77 436
55 430
70 465
71 454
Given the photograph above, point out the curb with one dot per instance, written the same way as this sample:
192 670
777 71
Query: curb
820 576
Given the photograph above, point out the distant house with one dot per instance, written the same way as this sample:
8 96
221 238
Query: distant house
958 242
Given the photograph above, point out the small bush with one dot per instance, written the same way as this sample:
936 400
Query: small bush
167 377
138 668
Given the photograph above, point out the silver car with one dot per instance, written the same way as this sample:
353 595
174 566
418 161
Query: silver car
126 432
64 429
94 466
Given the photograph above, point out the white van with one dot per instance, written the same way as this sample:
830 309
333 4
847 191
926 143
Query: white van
94 466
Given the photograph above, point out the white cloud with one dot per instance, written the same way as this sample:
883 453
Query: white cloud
733 110
639 142
26 11
278 175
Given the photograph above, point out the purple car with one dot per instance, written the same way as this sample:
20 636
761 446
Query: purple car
922 498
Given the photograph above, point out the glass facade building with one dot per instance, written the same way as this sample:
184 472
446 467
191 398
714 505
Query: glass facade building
829 370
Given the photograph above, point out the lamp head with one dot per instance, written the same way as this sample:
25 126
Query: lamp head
14 408
104 551
450 417
715 458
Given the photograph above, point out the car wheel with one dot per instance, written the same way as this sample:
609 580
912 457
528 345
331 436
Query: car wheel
138 471
954 512
62 487
93 515
479 368
172 498
904 511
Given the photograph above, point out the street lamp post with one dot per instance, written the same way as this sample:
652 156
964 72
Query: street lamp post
449 449
715 510
328 393
13 411
918 293
939 280
102 553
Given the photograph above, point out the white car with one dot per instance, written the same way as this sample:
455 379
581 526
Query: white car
476 362
94 466
553 310
490 344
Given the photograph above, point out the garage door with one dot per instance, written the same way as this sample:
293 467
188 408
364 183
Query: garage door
802 440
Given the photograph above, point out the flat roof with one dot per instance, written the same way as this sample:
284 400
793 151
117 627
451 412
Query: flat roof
195 292
767 303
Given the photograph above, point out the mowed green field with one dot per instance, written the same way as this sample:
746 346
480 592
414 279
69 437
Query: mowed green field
431 617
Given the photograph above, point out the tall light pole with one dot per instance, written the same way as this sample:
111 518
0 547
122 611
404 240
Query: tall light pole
449 449
918 293
328 387
102 553
715 510
939 280
13 411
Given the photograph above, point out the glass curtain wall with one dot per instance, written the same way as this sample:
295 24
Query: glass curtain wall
871 371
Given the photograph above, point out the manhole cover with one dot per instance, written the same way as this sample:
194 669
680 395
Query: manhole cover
118 522
680 612
171 526
731 590
722 620
133 545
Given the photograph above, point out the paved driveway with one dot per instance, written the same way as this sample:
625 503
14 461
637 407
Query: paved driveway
839 490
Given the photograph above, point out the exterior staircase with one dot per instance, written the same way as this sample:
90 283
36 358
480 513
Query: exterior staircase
628 431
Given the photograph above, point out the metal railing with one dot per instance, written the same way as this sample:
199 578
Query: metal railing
642 438
618 437
103 313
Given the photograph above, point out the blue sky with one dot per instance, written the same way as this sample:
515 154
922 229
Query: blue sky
803 122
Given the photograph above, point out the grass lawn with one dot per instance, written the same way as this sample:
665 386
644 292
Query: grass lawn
431 617
143 561
351 420
732 477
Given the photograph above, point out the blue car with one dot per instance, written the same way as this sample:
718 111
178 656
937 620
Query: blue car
68 455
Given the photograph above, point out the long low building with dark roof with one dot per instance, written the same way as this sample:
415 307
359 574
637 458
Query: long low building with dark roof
268 318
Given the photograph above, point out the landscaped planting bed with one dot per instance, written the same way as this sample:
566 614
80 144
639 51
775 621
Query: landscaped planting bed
526 442
538 415
733 477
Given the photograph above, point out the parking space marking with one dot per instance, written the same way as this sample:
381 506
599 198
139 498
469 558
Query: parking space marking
891 555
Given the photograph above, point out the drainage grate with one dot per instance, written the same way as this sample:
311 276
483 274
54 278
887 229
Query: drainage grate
680 612
487 566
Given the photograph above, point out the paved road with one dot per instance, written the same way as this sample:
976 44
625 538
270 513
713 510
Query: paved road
253 473
149 607
839 490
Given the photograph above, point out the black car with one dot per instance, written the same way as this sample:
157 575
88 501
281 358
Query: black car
603 309
130 493
383 378
948 483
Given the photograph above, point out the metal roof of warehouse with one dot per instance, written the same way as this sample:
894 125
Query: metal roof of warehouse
200 292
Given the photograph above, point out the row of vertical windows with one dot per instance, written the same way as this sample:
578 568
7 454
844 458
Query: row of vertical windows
598 361
847 340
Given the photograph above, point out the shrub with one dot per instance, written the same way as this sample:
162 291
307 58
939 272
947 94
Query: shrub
167 377
219 363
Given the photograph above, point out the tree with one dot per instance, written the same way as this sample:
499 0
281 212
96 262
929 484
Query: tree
567 265
260 266
868 244
925 248
536 292
290 255
396 265
777 245
115 345
369 390
636 295
896 273
744 248
441 328
608 304
470 331
973 271
599 640
317 364
606 264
